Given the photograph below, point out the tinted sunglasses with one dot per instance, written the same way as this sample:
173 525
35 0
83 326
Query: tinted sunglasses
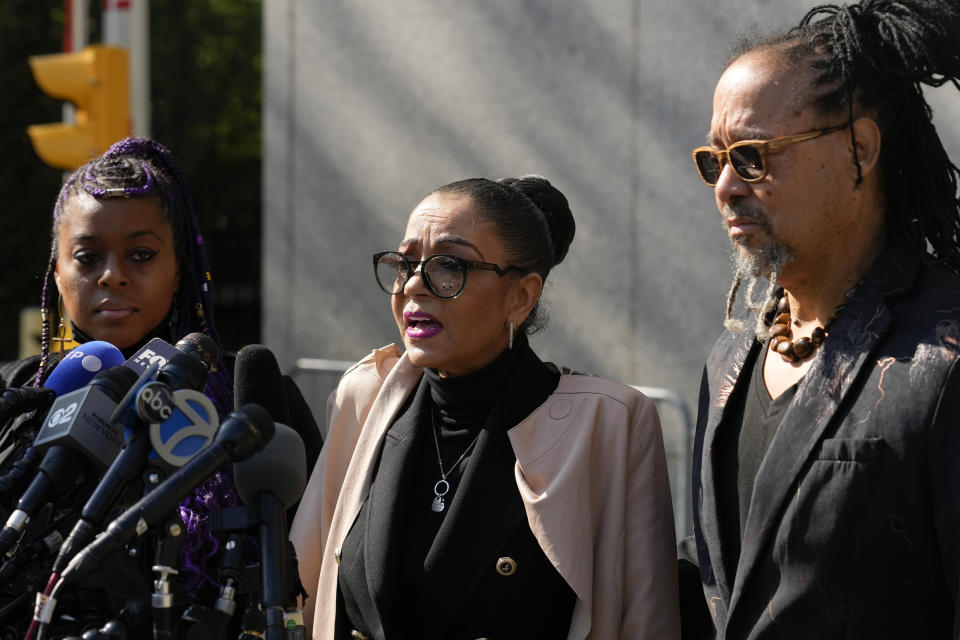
748 158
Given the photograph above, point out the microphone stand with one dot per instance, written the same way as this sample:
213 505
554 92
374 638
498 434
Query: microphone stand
212 623
167 560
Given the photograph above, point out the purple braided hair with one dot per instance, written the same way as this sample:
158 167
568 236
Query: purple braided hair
143 168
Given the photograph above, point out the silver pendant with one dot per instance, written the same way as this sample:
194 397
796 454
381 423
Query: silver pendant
439 490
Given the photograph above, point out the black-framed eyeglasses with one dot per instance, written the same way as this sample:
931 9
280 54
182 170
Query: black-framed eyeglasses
749 157
445 276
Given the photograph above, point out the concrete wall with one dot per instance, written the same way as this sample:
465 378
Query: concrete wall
370 104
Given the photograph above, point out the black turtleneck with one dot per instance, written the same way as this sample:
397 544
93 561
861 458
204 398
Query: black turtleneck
398 543
461 406
159 331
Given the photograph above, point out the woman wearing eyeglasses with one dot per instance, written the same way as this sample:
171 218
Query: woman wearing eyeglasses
467 489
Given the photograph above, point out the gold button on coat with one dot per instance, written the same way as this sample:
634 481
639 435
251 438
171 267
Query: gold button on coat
356 634
506 566
336 555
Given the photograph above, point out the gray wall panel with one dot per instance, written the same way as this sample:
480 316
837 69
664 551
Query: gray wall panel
369 104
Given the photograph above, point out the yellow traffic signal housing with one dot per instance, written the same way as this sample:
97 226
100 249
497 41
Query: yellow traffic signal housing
96 81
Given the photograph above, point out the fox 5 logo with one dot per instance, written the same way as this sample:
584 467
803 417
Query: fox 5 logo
148 357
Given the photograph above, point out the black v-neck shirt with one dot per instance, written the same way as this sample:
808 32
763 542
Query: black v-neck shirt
753 421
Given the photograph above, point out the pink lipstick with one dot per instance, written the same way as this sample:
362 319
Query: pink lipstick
421 325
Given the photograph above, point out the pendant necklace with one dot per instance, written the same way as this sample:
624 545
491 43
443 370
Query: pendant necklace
441 488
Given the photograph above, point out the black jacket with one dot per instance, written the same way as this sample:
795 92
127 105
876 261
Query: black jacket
460 593
853 529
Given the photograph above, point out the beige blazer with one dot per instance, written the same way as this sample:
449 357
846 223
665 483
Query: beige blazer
596 493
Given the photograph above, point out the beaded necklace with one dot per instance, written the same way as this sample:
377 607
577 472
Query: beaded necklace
780 334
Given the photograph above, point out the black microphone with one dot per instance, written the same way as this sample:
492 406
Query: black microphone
257 378
188 419
200 346
242 434
158 351
74 433
14 401
186 368
268 483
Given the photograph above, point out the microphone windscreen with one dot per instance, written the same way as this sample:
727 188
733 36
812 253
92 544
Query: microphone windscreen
257 378
115 381
200 346
246 431
184 371
281 468
80 365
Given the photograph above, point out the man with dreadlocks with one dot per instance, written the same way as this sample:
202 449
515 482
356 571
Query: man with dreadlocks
826 479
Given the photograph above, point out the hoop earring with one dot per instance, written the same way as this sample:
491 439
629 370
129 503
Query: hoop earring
510 341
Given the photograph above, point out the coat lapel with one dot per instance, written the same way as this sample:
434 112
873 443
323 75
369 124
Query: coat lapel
724 371
396 477
845 355
397 387
487 508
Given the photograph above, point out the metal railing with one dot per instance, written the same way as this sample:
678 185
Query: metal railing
682 507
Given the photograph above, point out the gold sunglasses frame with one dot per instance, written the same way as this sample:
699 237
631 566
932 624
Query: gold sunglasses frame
763 148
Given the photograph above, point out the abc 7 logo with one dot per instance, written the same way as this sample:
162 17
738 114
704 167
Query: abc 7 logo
192 428
155 402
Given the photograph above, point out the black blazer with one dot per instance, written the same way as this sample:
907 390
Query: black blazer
461 594
854 524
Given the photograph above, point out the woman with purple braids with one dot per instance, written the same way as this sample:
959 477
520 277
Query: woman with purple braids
127 256
128 264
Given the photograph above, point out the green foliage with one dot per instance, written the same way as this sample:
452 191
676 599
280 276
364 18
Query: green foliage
206 83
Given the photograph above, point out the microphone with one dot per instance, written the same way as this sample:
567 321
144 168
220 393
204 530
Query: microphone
19 400
280 469
180 372
79 418
200 346
80 365
151 400
188 428
185 420
74 371
159 351
268 483
242 434
75 430
257 378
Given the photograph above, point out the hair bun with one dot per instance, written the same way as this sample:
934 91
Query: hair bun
555 208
